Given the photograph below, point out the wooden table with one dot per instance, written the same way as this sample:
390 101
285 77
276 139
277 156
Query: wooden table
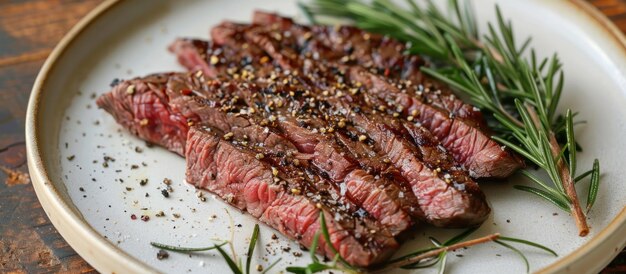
28 31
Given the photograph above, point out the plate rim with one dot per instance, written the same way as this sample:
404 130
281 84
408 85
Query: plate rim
81 236
88 243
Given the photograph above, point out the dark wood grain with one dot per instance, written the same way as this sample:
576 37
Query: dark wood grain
28 32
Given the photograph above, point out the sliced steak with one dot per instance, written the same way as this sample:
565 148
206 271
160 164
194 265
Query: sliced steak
469 209
383 198
377 195
180 97
445 193
238 177
459 126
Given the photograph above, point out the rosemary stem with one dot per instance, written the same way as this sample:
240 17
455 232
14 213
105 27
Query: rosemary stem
436 252
570 190
566 178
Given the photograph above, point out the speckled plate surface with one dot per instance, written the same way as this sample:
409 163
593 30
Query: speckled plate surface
87 171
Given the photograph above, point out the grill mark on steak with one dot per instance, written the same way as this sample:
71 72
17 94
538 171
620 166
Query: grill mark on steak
238 177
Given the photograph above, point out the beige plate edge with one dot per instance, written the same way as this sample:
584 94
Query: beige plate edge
107 258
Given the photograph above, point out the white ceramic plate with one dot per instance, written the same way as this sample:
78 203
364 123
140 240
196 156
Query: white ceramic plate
92 205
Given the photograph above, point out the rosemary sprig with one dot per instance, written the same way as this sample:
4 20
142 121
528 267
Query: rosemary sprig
231 260
438 253
520 91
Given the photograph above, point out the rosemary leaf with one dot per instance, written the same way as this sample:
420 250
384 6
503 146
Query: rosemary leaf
329 242
313 247
526 242
253 240
583 176
412 254
442 265
307 12
420 265
435 242
545 195
554 194
185 249
311 268
571 143
233 266
594 185
518 253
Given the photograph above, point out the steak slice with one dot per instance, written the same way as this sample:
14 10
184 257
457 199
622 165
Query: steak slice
238 177
180 97
142 107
